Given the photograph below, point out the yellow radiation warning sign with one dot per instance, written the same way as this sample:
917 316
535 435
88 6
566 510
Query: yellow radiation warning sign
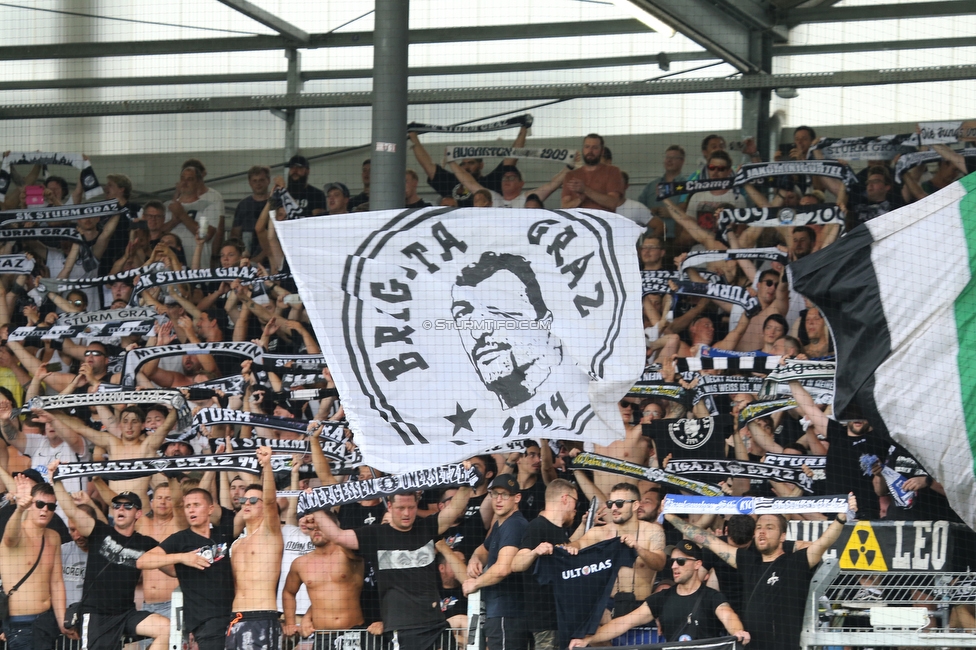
862 550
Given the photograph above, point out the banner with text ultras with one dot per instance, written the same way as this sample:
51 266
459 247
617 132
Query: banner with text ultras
449 331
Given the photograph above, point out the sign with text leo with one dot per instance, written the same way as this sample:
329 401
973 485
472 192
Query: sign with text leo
449 331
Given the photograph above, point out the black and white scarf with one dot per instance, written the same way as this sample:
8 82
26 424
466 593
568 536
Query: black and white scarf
913 160
944 132
796 370
329 496
661 390
123 470
291 380
333 449
757 173
276 277
656 282
283 199
461 152
56 333
878 147
233 385
57 285
771 254
680 504
68 233
762 409
709 385
281 362
108 316
173 398
803 215
677 188
816 464
723 292
88 179
216 415
587 460
58 213
135 358
163 278
16 264
308 394
714 359
500 125
741 469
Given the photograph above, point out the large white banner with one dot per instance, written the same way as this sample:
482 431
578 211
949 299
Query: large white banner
449 331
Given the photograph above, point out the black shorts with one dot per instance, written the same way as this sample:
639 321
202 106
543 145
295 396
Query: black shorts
260 630
357 639
210 634
419 638
103 632
507 633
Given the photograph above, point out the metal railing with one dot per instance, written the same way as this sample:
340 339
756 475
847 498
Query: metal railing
866 608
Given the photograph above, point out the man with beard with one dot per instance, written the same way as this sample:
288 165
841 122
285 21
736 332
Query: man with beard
776 582
634 584
595 185
848 445
311 200
333 577
688 612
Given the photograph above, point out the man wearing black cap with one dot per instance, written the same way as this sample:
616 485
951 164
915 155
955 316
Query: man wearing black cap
490 568
337 198
310 200
688 612
108 602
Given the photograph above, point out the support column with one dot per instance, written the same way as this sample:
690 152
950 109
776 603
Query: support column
389 151
755 103
293 87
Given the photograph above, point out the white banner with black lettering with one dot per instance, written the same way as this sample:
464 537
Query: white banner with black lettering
108 316
335 450
446 337
796 370
878 147
461 152
947 132
215 415
329 496
16 264
88 179
820 214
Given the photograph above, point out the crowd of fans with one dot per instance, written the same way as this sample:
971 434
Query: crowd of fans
242 556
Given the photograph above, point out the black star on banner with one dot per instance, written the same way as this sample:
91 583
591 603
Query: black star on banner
461 419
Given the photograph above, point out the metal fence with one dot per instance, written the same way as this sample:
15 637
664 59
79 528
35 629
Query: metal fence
865 608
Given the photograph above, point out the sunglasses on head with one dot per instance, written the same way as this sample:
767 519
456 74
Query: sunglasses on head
717 168
680 561
126 505
40 505
619 503
250 500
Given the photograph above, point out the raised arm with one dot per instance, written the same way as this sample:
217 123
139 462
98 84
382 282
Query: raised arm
816 550
454 509
82 520
544 191
518 144
100 438
810 410
950 155
152 442
465 178
700 235
328 526
704 538
272 522
422 156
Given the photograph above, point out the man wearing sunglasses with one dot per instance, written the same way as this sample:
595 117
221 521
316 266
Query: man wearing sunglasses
108 603
634 584
688 612
37 606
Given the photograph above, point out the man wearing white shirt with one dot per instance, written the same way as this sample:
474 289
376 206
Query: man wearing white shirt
188 211
512 194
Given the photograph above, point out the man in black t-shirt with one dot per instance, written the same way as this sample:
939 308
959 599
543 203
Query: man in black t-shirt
311 200
689 611
403 553
108 602
542 535
198 556
774 583
929 501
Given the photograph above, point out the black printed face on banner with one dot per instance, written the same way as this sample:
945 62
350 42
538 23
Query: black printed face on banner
690 438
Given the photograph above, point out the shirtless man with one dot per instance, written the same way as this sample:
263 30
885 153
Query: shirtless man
131 422
37 606
333 577
634 448
633 584
157 587
256 562
200 559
